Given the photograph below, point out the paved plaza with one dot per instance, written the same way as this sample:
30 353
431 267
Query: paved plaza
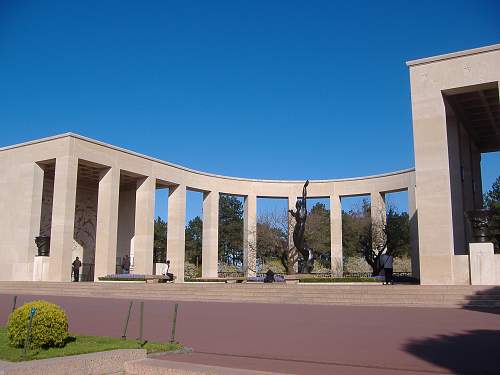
302 339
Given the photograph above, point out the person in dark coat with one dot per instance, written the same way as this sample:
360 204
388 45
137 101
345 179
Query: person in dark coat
76 269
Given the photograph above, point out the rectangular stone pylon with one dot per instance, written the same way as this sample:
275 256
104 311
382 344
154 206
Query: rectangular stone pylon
107 223
144 226
210 239
176 237
34 200
250 236
63 218
413 217
336 235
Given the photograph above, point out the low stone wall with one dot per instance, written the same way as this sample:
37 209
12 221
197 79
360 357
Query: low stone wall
480 267
90 364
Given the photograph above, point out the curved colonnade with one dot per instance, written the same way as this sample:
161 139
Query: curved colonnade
74 158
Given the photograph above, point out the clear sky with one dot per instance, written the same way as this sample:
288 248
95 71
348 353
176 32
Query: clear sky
261 89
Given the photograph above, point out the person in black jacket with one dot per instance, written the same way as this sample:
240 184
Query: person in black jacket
76 269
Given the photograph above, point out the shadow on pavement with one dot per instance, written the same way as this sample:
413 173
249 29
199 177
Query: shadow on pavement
471 352
487 294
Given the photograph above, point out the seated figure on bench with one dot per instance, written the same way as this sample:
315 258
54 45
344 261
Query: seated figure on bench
168 274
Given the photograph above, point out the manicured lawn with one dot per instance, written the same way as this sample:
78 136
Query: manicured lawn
80 345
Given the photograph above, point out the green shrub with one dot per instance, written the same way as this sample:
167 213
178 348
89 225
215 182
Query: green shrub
49 326
191 271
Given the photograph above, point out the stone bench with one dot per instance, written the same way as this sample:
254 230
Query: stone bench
154 279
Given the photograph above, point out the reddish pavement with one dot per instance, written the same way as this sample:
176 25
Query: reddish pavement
303 339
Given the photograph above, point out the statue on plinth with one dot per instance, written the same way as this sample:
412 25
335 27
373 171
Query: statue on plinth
307 265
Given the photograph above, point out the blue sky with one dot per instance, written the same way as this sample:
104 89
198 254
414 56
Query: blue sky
263 89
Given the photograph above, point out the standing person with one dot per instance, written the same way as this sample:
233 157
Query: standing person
387 261
76 269
126 264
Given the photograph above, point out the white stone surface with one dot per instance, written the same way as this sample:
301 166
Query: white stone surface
144 226
41 267
336 235
176 237
210 238
482 264
107 223
160 268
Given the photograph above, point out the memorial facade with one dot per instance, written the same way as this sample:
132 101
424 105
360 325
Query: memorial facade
97 201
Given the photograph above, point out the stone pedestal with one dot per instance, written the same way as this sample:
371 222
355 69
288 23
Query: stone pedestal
41 268
160 268
482 264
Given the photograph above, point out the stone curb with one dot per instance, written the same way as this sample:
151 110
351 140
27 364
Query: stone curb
164 367
99 363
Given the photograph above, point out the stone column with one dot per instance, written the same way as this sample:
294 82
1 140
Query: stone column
107 223
210 238
250 236
336 235
379 218
144 226
413 217
293 254
34 199
63 218
40 265
176 237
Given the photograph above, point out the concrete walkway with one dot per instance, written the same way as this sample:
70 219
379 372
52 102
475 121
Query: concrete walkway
303 339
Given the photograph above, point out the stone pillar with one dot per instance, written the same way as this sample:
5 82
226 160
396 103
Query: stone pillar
35 209
63 218
107 223
144 226
210 239
336 235
413 217
176 237
293 254
379 217
250 236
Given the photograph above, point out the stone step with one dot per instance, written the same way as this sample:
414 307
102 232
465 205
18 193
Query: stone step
152 366
270 296
399 295
244 290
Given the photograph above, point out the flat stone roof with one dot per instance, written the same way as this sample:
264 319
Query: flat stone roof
447 56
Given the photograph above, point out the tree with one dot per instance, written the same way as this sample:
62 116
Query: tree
194 237
230 230
492 202
160 238
354 223
391 234
272 237
317 233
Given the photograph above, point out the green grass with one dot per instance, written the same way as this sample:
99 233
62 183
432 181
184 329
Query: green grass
80 345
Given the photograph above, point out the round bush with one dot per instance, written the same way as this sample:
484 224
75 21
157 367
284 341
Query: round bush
49 326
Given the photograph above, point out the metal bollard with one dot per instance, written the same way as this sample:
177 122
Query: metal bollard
14 303
174 323
28 337
141 323
124 336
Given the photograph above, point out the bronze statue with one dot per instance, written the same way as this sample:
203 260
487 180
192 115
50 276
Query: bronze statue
298 232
